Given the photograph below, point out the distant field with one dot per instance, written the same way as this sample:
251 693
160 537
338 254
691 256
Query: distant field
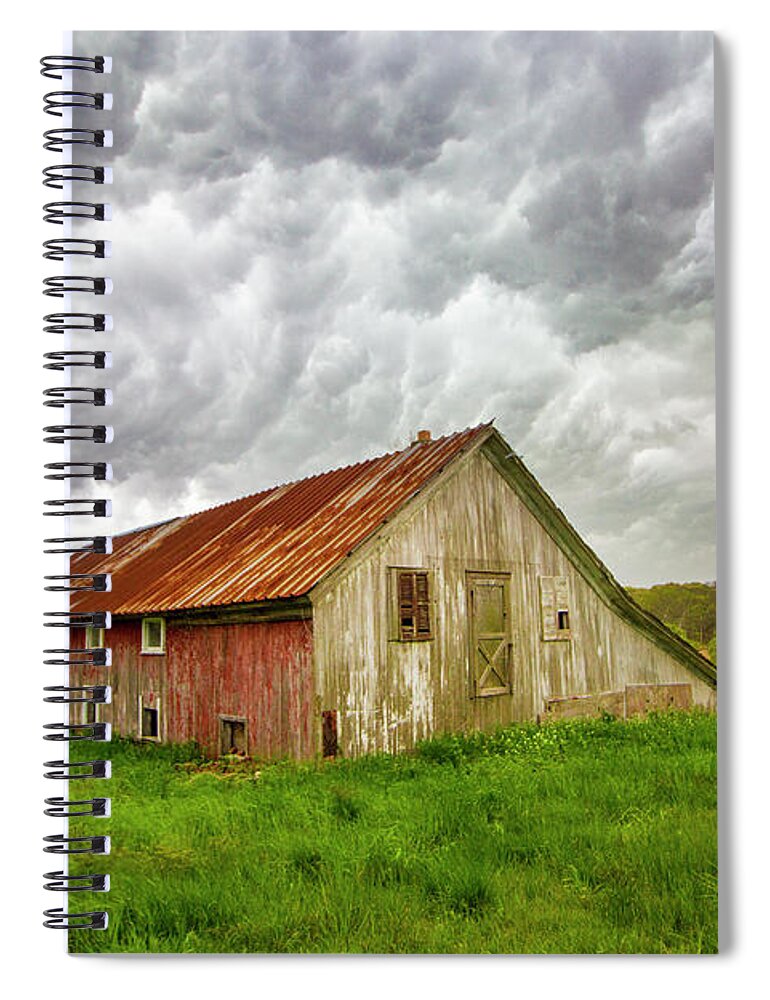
580 836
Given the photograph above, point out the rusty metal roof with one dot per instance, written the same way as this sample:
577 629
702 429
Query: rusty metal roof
275 544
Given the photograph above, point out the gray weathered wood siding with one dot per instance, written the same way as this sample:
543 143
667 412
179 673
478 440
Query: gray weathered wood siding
389 694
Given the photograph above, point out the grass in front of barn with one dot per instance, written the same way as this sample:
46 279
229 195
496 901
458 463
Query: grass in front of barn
579 836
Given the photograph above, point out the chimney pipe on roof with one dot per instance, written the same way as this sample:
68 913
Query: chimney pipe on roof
422 437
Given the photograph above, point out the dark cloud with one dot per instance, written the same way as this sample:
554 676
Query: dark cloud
325 240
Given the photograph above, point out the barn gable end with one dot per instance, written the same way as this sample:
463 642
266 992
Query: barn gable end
501 560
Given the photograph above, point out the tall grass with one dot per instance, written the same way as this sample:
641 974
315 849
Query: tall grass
582 836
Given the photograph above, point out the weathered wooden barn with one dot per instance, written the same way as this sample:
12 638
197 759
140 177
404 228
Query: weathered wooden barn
433 589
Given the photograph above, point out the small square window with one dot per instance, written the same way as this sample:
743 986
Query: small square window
94 638
153 635
232 735
149 719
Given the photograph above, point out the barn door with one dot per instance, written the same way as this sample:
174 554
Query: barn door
490 634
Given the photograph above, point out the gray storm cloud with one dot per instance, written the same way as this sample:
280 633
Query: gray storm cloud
324 241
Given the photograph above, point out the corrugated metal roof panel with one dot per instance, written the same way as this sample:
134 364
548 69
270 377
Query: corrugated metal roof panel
277 543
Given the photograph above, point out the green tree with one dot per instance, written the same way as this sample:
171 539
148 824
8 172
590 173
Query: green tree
689 609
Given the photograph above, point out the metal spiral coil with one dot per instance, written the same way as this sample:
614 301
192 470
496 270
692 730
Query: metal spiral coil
55 102
90 920
94 322
58 285
60 882
74 656
54 65
76 732
79 696
57 138
78 619
59 361
69 395
66 770
61 433
56 175
79 545
57 842
98 694
99 471
70 508
60 248
58 806
97 582
57 211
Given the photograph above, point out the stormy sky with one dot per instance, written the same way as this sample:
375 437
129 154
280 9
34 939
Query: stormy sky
324 242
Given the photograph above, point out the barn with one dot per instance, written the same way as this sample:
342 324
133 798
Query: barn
433 589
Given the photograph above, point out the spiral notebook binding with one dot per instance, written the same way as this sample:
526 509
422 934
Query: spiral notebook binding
100 471
81 697
58 211
57 138
58 806
59 285
92 920
59 361
67 770
79 619
79 544
74 656
94 322
54 65
61 433
97 694
61 248
57 100
58 845
90 883
58 174
78 582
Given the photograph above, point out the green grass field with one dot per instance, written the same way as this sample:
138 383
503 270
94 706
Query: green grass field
579 837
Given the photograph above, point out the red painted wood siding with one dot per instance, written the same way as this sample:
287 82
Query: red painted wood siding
261 671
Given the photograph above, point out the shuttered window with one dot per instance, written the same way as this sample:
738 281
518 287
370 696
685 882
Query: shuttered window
555 608
414 613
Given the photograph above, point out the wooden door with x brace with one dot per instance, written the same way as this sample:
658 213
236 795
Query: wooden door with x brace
490 633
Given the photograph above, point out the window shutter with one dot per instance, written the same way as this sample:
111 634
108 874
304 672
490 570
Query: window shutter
422 605
561 593
414 620
548 607
406 604
554 597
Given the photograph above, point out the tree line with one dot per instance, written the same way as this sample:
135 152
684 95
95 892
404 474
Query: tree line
689 609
